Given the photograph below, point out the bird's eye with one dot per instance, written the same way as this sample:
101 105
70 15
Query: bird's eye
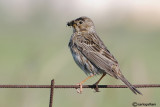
80 22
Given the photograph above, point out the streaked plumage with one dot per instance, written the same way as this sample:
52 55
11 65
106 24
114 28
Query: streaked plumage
90 53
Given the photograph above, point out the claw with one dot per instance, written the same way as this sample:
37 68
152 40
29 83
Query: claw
79 91
96 88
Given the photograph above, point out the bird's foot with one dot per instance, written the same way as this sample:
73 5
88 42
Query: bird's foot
96 88
79 90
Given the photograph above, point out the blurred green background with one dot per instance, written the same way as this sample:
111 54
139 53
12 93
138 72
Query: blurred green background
34 49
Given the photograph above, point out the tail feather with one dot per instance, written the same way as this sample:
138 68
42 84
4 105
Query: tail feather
129 85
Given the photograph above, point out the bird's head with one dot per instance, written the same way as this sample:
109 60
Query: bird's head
82 24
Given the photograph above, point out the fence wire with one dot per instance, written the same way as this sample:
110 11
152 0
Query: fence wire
76 86
52 86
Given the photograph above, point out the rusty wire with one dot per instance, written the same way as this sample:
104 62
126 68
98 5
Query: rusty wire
76 86
51 93
52 86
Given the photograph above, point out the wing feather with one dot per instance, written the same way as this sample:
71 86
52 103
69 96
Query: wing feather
94 50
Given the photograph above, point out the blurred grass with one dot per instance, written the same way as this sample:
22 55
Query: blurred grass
35 51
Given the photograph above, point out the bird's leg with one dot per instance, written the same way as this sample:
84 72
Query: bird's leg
96 89
80 84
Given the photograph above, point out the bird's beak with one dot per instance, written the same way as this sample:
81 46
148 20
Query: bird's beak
71 23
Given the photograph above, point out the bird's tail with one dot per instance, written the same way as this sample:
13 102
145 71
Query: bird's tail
129 85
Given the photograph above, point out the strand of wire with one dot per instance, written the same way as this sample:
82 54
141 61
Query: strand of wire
51 93
76 86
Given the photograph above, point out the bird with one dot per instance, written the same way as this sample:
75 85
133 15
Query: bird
91 55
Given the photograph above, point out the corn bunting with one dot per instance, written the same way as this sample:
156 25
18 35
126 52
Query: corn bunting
91 55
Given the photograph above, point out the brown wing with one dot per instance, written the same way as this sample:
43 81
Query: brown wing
94 50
